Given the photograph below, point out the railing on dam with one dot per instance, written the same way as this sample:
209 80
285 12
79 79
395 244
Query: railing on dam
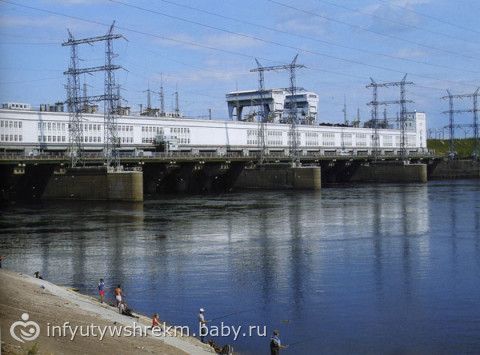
162 156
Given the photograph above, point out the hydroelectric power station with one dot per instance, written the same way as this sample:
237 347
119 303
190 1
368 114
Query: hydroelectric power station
71 150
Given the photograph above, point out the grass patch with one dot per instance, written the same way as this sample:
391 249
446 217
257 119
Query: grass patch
464 147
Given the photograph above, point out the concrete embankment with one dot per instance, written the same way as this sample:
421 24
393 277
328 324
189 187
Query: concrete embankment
390 173
95 184
280 177
47 305
454 169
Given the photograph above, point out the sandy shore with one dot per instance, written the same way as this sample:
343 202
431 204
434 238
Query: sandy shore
48 304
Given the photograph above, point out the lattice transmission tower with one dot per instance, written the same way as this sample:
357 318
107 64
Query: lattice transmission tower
403 112
451 120
76 102
292 116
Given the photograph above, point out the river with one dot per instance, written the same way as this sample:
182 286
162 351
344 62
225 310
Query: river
361 269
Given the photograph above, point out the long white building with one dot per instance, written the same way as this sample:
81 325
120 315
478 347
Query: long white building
23 129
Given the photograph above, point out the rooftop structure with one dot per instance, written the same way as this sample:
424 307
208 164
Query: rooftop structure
277 103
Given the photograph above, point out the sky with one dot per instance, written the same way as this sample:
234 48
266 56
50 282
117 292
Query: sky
206 48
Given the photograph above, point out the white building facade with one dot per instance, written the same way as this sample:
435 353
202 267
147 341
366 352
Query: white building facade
32 131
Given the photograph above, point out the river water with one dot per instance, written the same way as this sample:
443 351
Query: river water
363 269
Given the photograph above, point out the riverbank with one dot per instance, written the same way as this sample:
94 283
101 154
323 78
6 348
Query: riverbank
48 305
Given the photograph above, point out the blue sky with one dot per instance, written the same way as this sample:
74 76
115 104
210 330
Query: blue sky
206 48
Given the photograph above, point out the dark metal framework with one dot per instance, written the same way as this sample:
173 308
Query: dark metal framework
76 102
451 120
403 112
292 117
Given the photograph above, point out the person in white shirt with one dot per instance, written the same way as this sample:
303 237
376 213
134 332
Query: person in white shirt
202 328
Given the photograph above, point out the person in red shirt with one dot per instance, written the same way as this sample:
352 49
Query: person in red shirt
155 321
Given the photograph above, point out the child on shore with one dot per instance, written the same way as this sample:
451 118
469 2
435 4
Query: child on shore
101 290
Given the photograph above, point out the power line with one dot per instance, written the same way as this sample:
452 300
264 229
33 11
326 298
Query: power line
196 44
430 16
370 30
30 43
272 42
391 56
29 81
396 22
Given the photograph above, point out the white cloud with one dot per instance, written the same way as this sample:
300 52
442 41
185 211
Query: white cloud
409 3
230 41
224 41
388 17
47 22
408 53
75 2
305 23
206 75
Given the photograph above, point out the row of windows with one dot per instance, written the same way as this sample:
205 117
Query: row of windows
122 128
92 139
51 126
180 130
11 138
275 142
274 133
152 129
54 139
252 132
311 134
10 124
92 127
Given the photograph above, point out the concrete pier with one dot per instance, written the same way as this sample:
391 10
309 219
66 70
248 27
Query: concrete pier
454 169
279 177
391 172
95 183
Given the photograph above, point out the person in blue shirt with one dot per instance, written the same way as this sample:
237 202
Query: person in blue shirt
101 290
275 343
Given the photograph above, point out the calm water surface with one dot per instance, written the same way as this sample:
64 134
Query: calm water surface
365 270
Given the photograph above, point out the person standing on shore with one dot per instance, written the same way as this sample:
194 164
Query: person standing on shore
155 321
1 259
276 344
101 290
202 328
118 295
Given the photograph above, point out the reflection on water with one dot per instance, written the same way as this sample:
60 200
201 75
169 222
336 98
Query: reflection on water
368 269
